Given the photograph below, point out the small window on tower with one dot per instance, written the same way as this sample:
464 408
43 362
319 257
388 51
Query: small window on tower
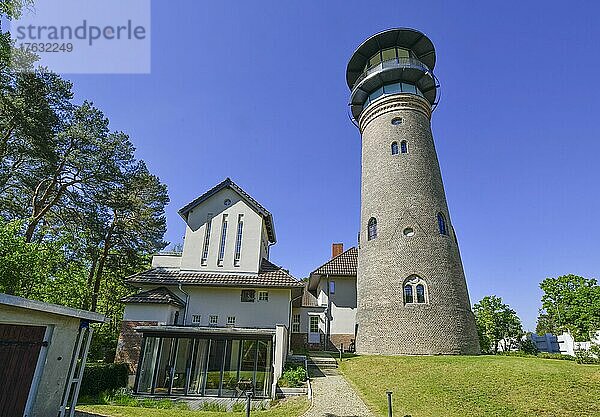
394 148
397 121
372 229
442 224
403 147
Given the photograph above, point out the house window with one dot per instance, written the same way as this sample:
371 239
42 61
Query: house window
296 323
403 147
372 229
206 239
223 238
263 296
196 318
442 224
331 287
248 296
238 241
415 285
231 321
213 320
314 324
394 148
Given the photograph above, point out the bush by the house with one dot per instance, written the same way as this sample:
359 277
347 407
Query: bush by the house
100 377
559 356
527 346
293 376
586 357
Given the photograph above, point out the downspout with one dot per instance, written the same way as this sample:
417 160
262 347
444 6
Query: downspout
187 302
327 315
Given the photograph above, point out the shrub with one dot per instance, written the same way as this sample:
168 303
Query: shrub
101 377
559 356
293 376
238 407
527 346
123 397
211 406
586 357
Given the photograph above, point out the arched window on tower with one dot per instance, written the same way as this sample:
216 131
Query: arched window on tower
403 147
394 148
372 229
415 290
408 294
442 224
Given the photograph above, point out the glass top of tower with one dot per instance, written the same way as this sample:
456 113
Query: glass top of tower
393 58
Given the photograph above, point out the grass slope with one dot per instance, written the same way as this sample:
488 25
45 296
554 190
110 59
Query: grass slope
288 408
476 386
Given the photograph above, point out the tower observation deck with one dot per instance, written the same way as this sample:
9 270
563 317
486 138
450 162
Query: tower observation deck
391 62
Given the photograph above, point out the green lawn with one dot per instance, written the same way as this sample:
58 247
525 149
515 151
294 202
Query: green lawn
476 386
288 408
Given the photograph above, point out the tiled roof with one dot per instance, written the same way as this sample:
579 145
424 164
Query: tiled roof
309 300
228 183
156 296
270 275
342 265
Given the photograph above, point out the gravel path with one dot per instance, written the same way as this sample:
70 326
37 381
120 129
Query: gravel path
334 397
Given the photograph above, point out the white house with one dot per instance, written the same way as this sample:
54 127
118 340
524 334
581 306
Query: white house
326 316
213 320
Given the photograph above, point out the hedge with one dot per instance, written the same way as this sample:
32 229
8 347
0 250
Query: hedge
99 377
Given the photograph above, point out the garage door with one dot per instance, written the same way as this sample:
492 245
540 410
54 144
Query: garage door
19 351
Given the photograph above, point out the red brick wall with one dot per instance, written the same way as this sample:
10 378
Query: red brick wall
338 339
130 343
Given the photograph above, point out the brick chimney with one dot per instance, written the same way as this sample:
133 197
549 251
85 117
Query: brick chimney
336 249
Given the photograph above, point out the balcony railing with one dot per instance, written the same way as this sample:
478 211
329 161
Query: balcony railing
392 63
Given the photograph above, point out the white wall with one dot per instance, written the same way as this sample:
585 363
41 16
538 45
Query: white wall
161 313
166 261
342 303
196 229
343 306
225 302
304 313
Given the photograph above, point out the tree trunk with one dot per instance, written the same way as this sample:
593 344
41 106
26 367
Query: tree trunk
101 262
90 282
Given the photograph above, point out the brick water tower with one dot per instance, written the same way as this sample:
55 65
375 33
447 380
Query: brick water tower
412 293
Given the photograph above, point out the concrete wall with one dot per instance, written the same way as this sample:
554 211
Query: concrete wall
224 302
61 336
281 350
252 241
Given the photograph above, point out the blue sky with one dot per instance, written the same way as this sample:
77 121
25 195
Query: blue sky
256 91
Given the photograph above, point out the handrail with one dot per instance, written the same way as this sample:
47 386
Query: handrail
391 63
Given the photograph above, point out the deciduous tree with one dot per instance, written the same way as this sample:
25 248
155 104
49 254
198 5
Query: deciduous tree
496 323
572 303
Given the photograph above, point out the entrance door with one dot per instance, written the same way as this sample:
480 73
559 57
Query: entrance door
314 335
19 350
